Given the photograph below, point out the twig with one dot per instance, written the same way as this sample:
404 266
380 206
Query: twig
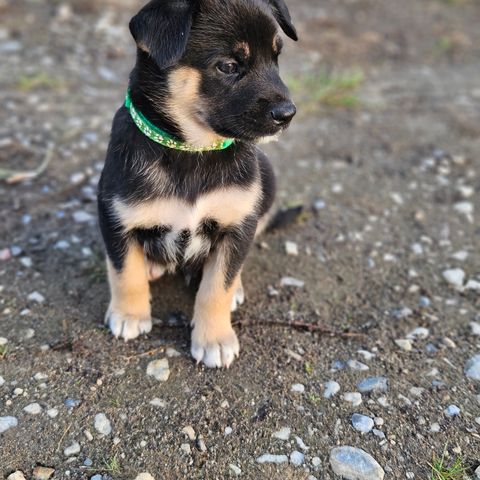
15 176
299 325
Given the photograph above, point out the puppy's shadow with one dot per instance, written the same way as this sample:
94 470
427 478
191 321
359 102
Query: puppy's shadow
172 306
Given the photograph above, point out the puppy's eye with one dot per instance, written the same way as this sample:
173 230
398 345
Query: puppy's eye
228 68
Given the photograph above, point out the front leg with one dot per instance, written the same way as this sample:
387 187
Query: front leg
214 341
129 315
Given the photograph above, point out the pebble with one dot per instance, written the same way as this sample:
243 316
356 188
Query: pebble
291 282
404 344
367 356
356 365
3 341
6 423
26 262
298 388
474 327
18 475
62 245
477 472
144 476
2 381
102 424
227 431
297 458
331 389
33 409
81 216
362 423
283 433
201 444
71 403
419 333
354 398
97 477
454 276
52 412
472 367
189 432
234 469
171 352
435 427
73 449
461 255
355 464
157 402
269 458
88 462
465 208
159 369
43 473
472 285
36 297
291 248
185 448
40 376
452 411
88 435
301 443
373 384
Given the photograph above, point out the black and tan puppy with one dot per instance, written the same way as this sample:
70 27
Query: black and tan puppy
184 185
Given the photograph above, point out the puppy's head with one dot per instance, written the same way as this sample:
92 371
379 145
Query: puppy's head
221 58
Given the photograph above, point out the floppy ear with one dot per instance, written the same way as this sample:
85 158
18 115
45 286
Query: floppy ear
282 15
161 29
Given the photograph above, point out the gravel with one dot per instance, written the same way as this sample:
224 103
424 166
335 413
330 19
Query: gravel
362 423
331 389
102 424
454 277
355 464
452 411
33 409
144 476
159 369
283 433
72 449
298 388
6 423
472 367
354 398
373 384
269 458
297 458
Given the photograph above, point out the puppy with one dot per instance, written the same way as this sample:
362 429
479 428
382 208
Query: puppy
184 185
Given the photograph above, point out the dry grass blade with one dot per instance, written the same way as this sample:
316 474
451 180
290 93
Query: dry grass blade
14 176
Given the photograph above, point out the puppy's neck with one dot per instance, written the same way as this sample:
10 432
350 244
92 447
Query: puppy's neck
170 99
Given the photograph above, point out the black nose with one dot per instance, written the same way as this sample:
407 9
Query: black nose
283 112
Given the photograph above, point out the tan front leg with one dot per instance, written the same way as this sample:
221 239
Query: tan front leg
214 341
129 312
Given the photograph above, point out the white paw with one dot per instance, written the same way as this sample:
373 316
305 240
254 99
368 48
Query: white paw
214 352
238 299
127 326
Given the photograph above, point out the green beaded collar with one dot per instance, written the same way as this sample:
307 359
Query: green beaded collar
157 135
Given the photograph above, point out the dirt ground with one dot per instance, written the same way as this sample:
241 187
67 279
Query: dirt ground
384 154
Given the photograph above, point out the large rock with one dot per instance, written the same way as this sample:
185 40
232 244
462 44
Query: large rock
354 464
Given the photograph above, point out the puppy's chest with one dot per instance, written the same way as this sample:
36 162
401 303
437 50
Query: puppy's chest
174 231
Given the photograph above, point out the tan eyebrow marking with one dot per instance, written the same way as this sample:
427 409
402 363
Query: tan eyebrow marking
242 48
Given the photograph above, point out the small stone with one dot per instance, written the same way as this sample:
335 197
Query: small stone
461 255
234 469
291 282
77 178
354 398
102 424
355 464
3 341
52 412
18 475
6 423
5 254
227 431
297 458
331 389
419 333
171 352
454 276
189 432
157 402
283 433
367 356
159 369
475 328
43 473
81 216
404 344
452 411
144 476
201 444
435 427
33 409
373 384
465 208
298 388
88 435
301 443
291 248
472 285
73 449
97 477
40 376
2 381
417 391
28 333
472 367
316 462
88 462
185 448
477 472
362 423
36 297
269 458
378 433
71 403
356 365
62 245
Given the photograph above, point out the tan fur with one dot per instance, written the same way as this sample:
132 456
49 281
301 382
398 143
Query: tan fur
244 48
129 288
228 206
185 107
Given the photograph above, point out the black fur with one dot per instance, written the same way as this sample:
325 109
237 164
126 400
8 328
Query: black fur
203 35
